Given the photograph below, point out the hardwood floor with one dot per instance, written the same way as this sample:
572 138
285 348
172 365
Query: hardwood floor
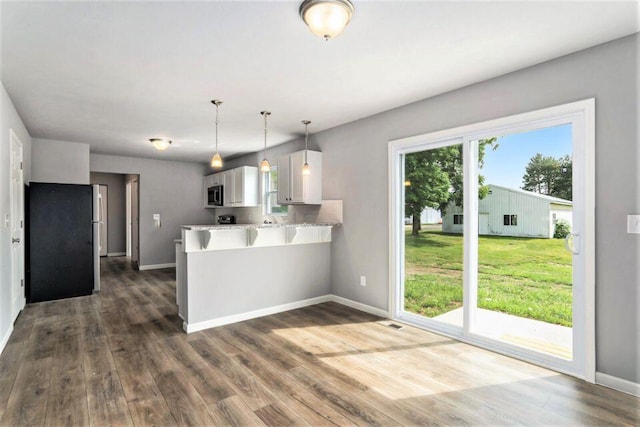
121 358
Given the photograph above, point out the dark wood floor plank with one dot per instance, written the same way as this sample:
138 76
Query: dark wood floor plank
151 412
183 401
106 401
245 384
233 412
27 405
120 357
208 381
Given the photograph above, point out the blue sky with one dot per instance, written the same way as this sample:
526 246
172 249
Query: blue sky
506 165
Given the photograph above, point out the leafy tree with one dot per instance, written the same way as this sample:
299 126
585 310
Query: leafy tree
548 175
564 184
433 178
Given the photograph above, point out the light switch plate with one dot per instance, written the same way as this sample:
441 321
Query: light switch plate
156 217
633 224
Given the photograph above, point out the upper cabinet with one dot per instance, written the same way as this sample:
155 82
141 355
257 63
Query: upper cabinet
239 185
293 186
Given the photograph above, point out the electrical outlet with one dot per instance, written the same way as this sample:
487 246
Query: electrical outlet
633 224
363 280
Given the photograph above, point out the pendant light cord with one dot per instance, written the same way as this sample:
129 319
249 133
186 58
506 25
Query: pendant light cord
217 105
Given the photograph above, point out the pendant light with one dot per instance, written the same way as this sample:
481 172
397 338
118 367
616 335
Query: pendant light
216 160
326 18
265 166
160 144
306 170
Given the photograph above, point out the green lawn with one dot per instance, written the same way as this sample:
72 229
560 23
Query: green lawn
520 276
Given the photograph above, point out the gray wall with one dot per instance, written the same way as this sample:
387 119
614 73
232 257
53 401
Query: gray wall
261 278
355 170
116 209
9 119
60 161
172 189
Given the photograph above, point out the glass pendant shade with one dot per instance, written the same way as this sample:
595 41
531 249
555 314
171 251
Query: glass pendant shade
306 170
160 144
216 161
265 166
326 18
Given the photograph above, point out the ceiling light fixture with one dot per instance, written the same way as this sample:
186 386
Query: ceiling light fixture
160 144
306 170
216 160
326 18
264 165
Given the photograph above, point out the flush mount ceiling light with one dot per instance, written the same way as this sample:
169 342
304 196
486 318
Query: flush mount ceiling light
306 170
326 18
160 144
216 160
264 165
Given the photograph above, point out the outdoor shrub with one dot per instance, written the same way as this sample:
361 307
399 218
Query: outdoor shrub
562 230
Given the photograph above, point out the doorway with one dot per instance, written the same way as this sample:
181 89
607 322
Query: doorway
133 219
17 225
103 219
475 277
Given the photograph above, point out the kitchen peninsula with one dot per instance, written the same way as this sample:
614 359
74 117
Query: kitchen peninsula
230 273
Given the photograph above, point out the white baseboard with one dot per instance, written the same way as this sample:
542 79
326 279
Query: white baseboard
156 266
619 384
116 254
5 339
359 306
234 318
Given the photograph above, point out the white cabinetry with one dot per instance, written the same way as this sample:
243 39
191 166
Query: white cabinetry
239 186
295 188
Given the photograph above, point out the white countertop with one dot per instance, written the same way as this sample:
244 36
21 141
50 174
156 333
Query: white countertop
245 226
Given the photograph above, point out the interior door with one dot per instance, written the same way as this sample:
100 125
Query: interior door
17 226
103 206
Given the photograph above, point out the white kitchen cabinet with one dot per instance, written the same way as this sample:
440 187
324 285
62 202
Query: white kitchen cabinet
295 188
241 187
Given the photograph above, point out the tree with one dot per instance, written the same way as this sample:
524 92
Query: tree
433 178
548 175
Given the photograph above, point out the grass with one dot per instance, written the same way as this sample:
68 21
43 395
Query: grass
524 277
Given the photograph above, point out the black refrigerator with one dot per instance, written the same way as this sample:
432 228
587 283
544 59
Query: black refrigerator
60 250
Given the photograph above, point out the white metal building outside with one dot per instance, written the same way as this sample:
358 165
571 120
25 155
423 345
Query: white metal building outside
512 212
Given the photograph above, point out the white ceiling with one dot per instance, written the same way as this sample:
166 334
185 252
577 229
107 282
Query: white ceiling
114 74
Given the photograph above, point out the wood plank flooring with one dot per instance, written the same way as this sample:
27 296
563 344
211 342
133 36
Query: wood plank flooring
121 358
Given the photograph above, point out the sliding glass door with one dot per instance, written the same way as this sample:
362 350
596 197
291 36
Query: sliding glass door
492 235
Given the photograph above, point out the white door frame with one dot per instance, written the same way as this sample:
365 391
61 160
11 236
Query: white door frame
18 299
581 115
128 217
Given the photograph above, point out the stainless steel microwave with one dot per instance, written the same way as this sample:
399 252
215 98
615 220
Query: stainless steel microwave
215 195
